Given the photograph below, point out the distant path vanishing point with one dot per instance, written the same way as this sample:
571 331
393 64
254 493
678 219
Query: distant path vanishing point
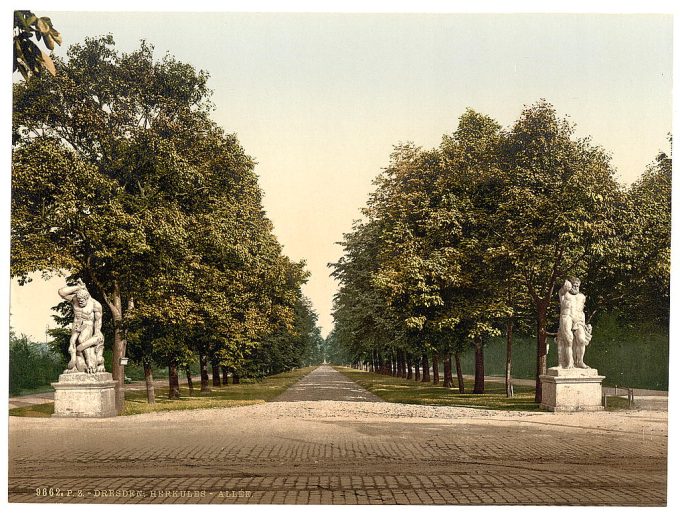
325 383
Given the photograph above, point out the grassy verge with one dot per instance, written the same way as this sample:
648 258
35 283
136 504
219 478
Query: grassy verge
36 410
244 394
396 389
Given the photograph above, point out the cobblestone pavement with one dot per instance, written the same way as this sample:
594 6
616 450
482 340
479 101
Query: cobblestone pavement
339 452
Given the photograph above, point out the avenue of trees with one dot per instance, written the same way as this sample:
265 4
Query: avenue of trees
473 239
120 177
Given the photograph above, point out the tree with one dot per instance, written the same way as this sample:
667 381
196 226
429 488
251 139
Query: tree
647 290
125 181
474 237
558 209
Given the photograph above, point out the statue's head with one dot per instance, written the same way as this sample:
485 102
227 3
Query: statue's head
575 284
82 295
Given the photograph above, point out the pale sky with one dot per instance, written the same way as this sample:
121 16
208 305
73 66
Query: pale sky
319 100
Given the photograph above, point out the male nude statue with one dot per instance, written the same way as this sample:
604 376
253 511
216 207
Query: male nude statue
87 341
573 334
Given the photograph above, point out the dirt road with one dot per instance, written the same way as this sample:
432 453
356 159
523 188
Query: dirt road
342 451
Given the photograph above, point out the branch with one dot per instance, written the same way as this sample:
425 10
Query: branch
530 288
559 252
114 310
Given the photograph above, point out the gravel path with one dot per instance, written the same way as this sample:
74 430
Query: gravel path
325 383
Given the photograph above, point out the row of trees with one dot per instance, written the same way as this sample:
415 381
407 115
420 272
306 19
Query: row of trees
121 178
473 239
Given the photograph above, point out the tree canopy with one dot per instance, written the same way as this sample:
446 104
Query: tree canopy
461 242
120 177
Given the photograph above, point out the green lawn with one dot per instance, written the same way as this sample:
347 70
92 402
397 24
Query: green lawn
397 389
244 394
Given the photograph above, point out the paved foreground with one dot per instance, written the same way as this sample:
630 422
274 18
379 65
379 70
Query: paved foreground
342 452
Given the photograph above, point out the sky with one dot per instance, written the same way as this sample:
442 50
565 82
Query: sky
320 99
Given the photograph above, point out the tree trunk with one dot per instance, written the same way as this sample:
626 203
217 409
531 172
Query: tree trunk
409 367
479 366
216 381
235 379
416 367
435 368
148 378
173 380
459 373
190 381
205 379
541 349
508 358
115 303
426 369
225 376
448 379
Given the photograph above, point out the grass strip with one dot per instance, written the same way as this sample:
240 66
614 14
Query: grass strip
248 392
403 391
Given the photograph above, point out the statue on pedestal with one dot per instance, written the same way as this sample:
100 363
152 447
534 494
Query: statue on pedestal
574 334
87 341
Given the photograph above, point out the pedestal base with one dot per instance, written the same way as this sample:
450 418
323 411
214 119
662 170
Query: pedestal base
572 389
85 395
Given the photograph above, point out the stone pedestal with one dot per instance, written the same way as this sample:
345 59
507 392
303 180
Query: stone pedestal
85 395
572 389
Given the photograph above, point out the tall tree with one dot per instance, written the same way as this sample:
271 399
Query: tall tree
120 176
558 209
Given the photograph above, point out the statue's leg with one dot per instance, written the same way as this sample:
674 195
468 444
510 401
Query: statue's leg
99 353
565 339
579 348
561 359
91 359
84 348
73 363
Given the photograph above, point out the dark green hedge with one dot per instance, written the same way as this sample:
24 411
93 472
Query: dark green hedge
636 358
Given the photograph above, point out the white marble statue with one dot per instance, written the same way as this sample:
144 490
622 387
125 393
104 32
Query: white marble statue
574 333
87 341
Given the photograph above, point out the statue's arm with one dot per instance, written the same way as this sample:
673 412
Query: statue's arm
68 292
564 289
97 317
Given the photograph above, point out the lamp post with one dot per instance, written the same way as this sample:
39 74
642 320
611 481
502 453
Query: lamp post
123 361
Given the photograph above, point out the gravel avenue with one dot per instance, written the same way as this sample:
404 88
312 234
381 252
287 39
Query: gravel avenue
328 441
